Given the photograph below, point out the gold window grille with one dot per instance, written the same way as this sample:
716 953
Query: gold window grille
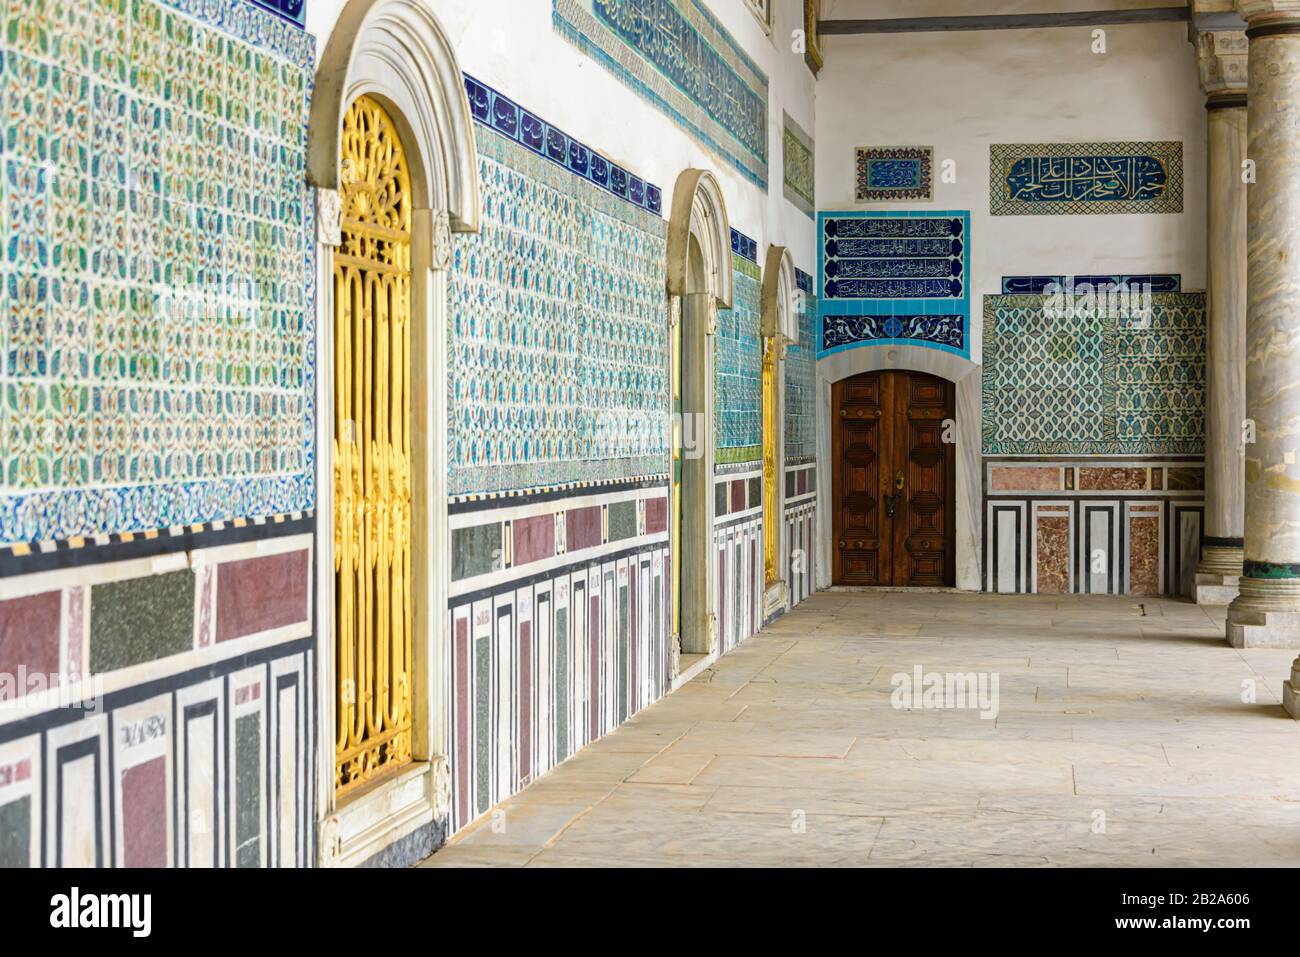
372 452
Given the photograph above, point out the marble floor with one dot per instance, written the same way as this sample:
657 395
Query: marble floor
1124 736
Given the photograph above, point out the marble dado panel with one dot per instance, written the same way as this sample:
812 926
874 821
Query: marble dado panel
156 348
677 56
894 277
128 621
177 772
1062 527
558 334
800 481
1028 179
146 703
740 493
738 550
799 548
547 662
494 542
738 363
1092 382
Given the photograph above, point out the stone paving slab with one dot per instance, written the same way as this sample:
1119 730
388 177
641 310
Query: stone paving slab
1124 734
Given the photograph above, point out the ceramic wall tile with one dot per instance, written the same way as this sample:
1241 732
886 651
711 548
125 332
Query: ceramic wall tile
678 57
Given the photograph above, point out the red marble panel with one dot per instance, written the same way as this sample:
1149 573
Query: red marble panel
1113 480
737 495
1024 478
656 515
258 594
534 539
1144 555
1052 555
801 482
144 814
29 637
581 528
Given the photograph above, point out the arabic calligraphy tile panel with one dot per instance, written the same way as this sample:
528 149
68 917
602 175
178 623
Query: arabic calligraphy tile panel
894 277
156 335
801 379
894 173
1036 285
738 366
678 57
797 154
1036 179
1093 383
558 331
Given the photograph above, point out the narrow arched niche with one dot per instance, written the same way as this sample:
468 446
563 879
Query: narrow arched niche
699 284
396 53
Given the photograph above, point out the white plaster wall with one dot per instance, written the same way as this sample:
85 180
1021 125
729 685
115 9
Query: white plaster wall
512 46
960 92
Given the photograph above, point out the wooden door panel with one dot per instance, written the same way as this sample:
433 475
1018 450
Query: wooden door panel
858 414
887 424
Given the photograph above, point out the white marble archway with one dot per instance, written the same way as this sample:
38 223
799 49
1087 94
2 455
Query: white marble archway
396 52
699 284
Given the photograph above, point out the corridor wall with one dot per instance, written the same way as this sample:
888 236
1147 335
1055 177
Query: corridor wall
157 388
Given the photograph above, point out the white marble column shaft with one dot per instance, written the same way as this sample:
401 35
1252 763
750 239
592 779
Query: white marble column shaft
1225 405
1267 610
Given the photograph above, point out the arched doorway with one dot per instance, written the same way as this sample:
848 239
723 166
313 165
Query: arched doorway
961 442
699 284
893 480
391 154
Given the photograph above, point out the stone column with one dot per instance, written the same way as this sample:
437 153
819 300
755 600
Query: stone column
1223 57
1266 612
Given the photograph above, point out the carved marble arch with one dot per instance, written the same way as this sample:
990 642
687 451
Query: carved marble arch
778 308
391 56
397 52
699 222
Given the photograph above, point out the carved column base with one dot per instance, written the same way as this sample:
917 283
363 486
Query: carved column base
1217 575
1291 691
1266 614
776 599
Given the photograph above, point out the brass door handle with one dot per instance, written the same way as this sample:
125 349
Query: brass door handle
900 480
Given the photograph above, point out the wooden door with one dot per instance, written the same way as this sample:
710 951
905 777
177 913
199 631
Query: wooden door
894 462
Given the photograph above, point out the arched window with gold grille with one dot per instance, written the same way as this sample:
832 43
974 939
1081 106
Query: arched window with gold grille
372 452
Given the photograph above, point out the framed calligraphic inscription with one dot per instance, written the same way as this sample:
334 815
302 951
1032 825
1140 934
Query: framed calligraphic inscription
1054 179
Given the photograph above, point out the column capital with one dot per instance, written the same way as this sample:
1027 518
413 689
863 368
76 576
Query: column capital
1223 58
1258 12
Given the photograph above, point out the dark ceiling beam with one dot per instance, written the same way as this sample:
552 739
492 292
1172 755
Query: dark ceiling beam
1008 21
